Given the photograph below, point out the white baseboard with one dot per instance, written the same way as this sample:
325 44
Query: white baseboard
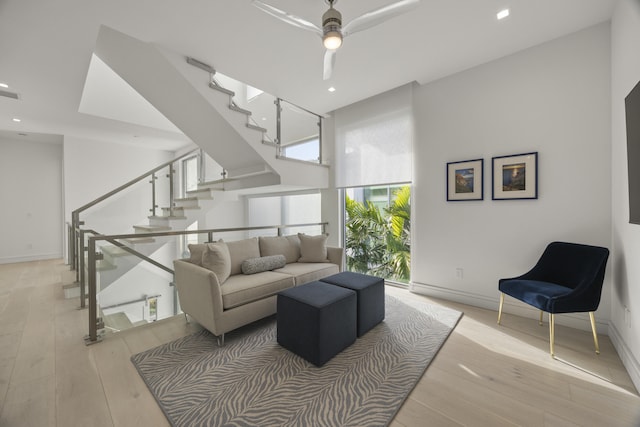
511 306
38 257
628 359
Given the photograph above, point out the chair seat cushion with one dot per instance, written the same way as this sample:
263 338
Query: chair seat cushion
536 293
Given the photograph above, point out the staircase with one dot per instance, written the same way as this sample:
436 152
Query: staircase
182 90
185 91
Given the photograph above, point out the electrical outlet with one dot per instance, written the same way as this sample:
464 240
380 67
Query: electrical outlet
459 273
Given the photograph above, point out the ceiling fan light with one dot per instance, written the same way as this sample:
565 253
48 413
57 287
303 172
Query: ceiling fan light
332 28
332 40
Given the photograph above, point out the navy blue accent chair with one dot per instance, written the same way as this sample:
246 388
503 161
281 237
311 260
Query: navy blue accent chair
567 279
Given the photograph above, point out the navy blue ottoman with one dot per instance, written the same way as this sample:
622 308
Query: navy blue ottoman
370 292
316 321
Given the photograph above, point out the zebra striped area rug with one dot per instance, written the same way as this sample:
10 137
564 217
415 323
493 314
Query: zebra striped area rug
252 381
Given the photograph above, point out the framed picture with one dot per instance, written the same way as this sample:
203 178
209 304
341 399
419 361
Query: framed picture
465 180
515 177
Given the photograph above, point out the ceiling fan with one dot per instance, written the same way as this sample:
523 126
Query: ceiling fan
332 30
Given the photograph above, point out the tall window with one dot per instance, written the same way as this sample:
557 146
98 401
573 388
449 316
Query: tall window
378 231
374 146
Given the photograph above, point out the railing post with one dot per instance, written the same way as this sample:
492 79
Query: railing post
320 139
75 219
153 194
278 128
93 308
171 196
201 167
82 278
69 248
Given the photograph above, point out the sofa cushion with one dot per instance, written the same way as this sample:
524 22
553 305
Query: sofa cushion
313 248
240 250
264 263
243 289
289 246
196 250
304 272
217 259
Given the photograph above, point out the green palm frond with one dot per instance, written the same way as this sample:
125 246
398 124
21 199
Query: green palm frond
379 241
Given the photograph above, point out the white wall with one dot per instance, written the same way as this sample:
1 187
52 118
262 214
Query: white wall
625 42
94 168
31 188
553 99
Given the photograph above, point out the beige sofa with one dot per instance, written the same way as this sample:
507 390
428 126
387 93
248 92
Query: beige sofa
214 291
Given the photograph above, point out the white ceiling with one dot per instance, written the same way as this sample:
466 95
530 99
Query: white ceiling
46 50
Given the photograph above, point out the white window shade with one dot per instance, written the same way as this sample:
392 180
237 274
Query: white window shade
374 140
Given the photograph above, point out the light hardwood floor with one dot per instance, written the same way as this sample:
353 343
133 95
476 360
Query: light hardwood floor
484 375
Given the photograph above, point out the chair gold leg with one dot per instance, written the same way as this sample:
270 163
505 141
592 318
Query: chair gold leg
593 329
540 321
500 308
552 333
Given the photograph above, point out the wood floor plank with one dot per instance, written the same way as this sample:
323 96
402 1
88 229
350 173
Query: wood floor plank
30 404
415 413
485 374
129 400
80 398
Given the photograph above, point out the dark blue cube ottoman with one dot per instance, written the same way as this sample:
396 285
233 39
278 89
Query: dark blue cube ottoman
316 321
370 291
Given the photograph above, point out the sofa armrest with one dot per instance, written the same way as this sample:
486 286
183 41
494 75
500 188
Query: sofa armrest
335 256
199 293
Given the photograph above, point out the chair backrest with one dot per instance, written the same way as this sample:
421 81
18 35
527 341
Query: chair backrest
572 265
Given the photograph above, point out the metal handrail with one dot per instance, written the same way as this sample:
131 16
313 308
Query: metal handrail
133 181
277 101
75 215
94 325
120 304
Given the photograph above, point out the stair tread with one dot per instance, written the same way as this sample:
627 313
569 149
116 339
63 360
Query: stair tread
135 240
152 227
118 321
256 127
167 217
239 109
114 251
222 89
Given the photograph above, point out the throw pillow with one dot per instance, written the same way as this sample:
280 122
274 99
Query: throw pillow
289 246
265 263
216 258
196 251
241 250
313 248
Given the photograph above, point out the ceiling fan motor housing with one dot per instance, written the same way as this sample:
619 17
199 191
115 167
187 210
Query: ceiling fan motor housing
331 21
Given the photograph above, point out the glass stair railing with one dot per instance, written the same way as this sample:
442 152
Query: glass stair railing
294 131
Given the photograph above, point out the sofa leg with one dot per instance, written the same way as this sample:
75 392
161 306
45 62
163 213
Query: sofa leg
186 318
220 339
595 334
500 309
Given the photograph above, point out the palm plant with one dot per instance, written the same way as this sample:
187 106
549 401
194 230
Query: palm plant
378 242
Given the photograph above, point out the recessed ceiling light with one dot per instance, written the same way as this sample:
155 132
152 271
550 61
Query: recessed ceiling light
4 85
332 89
502 14
15 119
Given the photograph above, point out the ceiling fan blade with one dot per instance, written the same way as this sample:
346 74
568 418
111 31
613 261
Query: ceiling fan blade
378 16
287 17
329 62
